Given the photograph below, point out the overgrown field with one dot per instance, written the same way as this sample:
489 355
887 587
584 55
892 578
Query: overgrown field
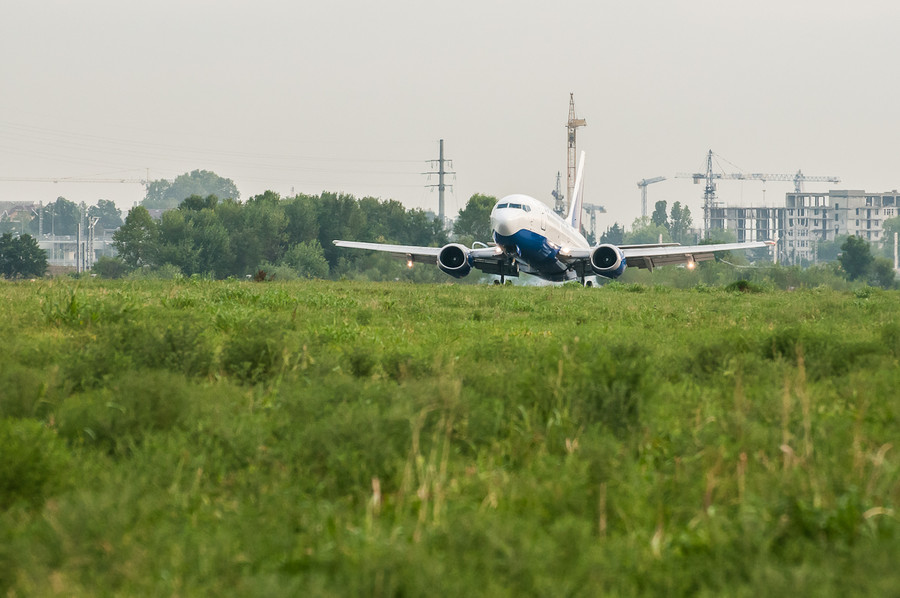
331 439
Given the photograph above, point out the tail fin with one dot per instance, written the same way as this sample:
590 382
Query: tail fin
574 215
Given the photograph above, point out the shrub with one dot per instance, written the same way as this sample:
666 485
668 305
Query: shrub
119 415
34 463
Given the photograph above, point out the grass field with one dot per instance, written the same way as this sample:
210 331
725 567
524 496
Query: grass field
331 439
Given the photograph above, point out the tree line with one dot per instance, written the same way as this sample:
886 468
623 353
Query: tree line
270 236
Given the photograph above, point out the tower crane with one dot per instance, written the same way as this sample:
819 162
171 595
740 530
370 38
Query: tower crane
642 184
709 193
572 125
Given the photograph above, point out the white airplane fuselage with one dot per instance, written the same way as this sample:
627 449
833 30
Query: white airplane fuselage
528 229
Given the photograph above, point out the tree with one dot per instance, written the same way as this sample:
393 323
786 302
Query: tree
882 273
615 235
109 267
659 217
856 257
110 216
307 259
474 221
61 217
163 195
680 222
136 240
646 232
21 256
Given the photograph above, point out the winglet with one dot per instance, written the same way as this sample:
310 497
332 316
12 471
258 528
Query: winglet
574 215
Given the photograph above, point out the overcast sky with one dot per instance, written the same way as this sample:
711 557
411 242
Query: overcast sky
353 96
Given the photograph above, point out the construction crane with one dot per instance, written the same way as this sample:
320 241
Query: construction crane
592 210
642 184
709 192
70 180
572 125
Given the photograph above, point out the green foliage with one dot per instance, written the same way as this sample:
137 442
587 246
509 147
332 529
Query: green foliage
680 223
615 235
215 238
201 437
474 221
34 464
110 216
21 257
856 257
643 232
166 195
60 218
136 242
109 267
307 259
659 217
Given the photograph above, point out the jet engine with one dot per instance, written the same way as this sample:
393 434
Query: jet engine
454 260
608 261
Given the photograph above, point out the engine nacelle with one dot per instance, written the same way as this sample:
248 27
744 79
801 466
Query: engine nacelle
454 260
608 261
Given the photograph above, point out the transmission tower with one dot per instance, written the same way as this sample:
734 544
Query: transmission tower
571 126
441 172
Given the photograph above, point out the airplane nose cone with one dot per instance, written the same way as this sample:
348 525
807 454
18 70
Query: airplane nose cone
505 224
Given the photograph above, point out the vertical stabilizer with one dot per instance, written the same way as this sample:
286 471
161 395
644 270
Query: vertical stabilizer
574 215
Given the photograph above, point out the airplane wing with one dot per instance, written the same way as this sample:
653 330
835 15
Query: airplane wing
650 257
454 259
414 253
660 254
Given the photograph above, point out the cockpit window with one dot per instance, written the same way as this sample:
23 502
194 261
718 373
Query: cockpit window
514 206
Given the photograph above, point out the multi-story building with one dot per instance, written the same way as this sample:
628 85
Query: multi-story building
807 219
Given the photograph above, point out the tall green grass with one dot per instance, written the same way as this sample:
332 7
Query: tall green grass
318 438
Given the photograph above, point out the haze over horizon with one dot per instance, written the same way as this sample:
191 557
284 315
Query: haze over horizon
353 97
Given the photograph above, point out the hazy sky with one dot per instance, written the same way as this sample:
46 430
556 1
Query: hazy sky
352 96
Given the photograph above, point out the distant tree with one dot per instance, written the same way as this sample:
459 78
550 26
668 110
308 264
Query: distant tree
196 203
474 221
881 273
110 216
163 194
61 217
615 235
642 233
856 257
109 267
21 256
302 222
659 217
680 222
307 259
828 251
136 240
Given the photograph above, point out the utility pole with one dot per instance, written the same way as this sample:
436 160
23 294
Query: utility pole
92 222
571 126
441 172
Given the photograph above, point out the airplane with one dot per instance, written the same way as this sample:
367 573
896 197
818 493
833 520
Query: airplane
529 237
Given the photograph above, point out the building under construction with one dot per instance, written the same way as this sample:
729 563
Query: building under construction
808 219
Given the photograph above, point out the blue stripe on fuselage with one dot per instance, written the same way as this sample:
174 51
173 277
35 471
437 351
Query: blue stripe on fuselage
536 252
